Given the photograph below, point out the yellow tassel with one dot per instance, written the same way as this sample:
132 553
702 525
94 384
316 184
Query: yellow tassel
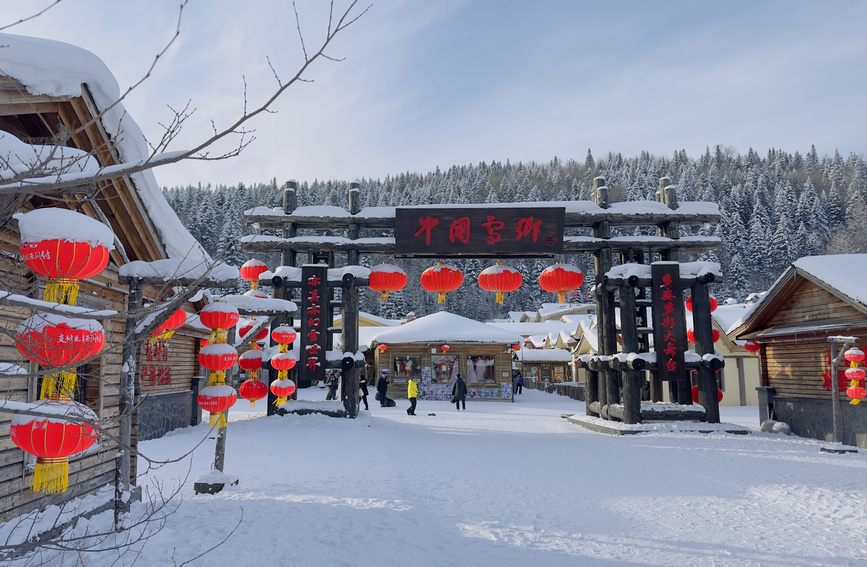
51 475
217 378
499 298
218 420
384 297
61 290
855 402
441 297
59 386
252 403
562 297
280 401
217 336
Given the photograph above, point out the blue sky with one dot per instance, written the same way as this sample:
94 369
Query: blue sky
435 83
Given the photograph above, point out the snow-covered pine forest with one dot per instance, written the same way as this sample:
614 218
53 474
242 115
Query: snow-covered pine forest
776 208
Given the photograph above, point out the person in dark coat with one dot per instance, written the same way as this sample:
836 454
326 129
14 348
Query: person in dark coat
362 387
332 387
520 382
382 388
459 393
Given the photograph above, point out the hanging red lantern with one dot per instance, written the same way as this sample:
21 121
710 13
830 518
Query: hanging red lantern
65 247
516 346
284 335
855 374
257 293
561 279
52 441
386 278
218 357
383 348
203 343
690 335
713 303
250 361
283 389
168 327
253 390
262 334
54 340
719 394
857 393
853 355
216 400
441 279
283 361
752 347
444 348
251 270
500 279
219 315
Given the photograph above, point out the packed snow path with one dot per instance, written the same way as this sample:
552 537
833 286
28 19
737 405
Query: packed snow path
503 484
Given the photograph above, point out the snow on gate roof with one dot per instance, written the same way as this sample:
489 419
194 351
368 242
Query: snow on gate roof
446 328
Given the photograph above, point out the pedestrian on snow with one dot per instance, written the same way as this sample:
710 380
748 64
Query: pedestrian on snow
362 390
412 394
382 388
459 393
332 386
520 382
514 384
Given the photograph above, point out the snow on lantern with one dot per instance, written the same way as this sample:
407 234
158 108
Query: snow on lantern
219 316
261 335
282 362
217 357
719 395
855 375
216 400
257 293
561 279
251 270
57 341
752 347
52 440
444 348
690 335
284 335
283 389
713 303
500 279
168 327
441 279
386 278
65 247
251 362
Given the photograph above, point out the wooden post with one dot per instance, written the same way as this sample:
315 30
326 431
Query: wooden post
631 378
352 232
350 344
220 448
836 359
290 201
702 329
128 373
609 391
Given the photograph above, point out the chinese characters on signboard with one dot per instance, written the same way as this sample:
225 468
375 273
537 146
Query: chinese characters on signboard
479 231
314 324
669 324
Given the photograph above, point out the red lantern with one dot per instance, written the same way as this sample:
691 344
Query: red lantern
251 270
284 335
283 389
283 361
216 400
752 347
441 279
219 315
713 303
253 390
218 357
257 293
251 361
53 441
853 355
500 279
857 393
203 343
55 340
690 335
386 278
242 332
516 346
719 394
168 327
383 348
560 279
856 374
444 348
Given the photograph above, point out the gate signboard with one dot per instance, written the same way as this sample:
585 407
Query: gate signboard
476 230
314 321
669 323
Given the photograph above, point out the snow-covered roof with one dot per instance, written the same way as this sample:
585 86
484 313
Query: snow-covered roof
530 329
446 327
543 355
52 68
846 273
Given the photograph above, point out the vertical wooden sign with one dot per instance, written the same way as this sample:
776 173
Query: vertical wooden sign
314 324
669 323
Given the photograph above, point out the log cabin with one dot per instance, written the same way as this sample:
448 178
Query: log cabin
58 100
816 298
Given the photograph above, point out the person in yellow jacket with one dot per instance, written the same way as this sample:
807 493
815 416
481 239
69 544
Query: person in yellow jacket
412 394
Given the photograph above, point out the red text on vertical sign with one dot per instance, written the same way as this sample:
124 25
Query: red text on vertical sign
669 324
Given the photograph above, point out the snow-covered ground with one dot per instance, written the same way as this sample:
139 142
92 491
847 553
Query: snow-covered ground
499 484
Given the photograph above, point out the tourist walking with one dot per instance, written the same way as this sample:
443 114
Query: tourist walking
459 393
332 386
520 382
382 389
362 390
412 394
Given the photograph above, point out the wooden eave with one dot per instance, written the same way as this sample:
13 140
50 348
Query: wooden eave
753 327
38 119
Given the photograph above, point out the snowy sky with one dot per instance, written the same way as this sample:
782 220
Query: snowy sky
427 84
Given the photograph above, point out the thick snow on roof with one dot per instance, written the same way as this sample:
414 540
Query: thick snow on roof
687 269
847 273
541 328
54 223
544 355
446 327
50 160
174 268
53 68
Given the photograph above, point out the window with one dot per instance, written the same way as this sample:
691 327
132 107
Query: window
445 368
480 369
406 366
